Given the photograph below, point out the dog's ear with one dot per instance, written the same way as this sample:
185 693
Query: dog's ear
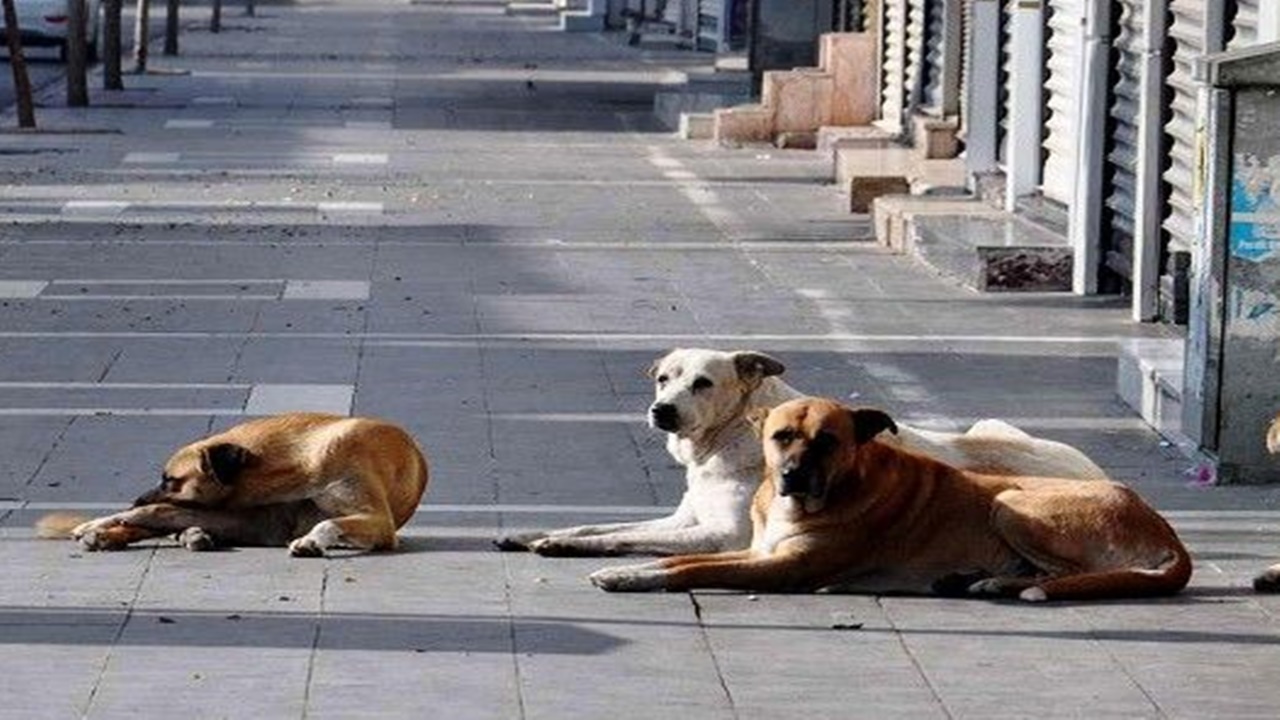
756 417
225 461
869 422
652 372
755 366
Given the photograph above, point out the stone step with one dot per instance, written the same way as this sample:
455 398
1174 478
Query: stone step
891 214
991 253
1149 380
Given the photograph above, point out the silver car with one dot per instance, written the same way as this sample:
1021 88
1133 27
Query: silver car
43 23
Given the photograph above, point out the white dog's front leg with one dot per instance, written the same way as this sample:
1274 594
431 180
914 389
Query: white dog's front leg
684 541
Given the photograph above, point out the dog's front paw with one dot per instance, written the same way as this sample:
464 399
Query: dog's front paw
557 547
306 546
196 539
519 542
627 579
101 534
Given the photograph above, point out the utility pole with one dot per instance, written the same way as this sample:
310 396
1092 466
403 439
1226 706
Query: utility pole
249 10
111 75
77 58
141 36
171 27
215 20
21 80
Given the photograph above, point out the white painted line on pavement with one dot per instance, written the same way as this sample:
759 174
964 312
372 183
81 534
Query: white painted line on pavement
696 191
94 207
21 288
601 417
338 208
183 124
151 158
588 337
325 290
360 159
235 289
261 399
220 100
77 385
273 399
375 101
368 124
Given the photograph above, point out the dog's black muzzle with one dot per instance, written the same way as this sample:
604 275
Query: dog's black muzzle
665 417
798 481
150 497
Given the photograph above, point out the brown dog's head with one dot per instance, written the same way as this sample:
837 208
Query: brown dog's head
809 442
201 475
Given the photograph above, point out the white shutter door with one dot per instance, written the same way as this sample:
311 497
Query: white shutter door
1005 79
893 63
915 48
1245 24
1188 33
1122 151
1061 99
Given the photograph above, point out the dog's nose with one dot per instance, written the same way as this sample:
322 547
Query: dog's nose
793 482
665 417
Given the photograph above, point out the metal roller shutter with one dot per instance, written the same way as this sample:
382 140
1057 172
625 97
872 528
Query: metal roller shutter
894 49
1188 33
1122 149
1005 77
1245 24
915 50
1061 99
935 56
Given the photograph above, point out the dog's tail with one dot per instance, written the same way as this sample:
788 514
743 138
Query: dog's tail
58 526
1167 578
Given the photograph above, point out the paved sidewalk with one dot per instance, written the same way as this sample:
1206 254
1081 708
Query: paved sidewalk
470 224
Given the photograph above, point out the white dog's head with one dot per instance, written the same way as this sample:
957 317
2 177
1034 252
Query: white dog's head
696 389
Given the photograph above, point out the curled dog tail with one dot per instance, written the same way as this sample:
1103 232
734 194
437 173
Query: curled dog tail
1167 578
58 526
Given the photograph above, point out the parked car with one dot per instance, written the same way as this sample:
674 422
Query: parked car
43 23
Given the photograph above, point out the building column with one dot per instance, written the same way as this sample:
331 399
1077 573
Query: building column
1026 114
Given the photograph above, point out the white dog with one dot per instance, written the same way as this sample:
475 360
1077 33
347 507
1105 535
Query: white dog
701 400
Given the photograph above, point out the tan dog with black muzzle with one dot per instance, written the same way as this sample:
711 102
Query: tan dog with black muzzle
307 480
841 511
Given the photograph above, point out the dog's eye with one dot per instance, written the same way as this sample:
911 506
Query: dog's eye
700 383
170 483
662 379
784 437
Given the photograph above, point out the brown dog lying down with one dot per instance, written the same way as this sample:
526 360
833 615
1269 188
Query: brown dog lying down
841 511
306 480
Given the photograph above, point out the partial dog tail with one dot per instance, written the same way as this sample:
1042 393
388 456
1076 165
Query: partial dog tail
1273 436
991 427
1167 578
58 526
